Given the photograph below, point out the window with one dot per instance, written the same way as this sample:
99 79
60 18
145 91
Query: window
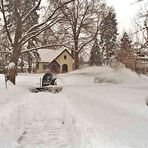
65 57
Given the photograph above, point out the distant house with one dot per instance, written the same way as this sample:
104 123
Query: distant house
142 61
58 61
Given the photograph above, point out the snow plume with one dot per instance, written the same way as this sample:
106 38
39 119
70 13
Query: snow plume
109 75
105 74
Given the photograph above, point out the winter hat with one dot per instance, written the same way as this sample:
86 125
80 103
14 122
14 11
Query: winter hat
48 70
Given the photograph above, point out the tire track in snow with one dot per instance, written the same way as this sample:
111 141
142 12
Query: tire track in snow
45 133
47 122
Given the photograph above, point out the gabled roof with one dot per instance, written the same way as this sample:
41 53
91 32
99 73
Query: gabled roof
54 61
48 55
64 51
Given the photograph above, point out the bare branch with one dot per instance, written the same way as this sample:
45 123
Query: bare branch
60 41
31 11
18 30
6 52
5 21
5 46
95 35
42 47
28 33
36 33
48 19
82 20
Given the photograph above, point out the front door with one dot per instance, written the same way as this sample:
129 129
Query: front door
64 68
54 69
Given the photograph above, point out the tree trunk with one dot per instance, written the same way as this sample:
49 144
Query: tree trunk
29 63
12 71
76 55
11 75
76 60
22 64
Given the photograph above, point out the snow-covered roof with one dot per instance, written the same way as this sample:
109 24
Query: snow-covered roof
48 55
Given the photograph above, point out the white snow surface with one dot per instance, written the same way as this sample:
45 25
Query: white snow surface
99 107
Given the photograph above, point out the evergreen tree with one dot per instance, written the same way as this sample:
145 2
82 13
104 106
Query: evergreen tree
126 43
125 53
95 58
108 35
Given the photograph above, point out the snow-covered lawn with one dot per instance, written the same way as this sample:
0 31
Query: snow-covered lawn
98 108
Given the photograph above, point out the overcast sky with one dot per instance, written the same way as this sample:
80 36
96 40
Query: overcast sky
126 10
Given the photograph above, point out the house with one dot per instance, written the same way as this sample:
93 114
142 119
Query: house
142 61
58 61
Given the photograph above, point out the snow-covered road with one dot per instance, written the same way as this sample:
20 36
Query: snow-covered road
116 119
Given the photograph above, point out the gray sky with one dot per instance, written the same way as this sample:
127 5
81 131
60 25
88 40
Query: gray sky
126 10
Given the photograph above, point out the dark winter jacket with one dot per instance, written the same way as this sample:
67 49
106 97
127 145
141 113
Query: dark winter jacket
47 77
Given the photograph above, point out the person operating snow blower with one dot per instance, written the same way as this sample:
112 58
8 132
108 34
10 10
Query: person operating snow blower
47 84
48 78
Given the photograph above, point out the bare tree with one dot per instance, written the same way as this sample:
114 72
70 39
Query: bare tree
141 22
79 25
17 36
